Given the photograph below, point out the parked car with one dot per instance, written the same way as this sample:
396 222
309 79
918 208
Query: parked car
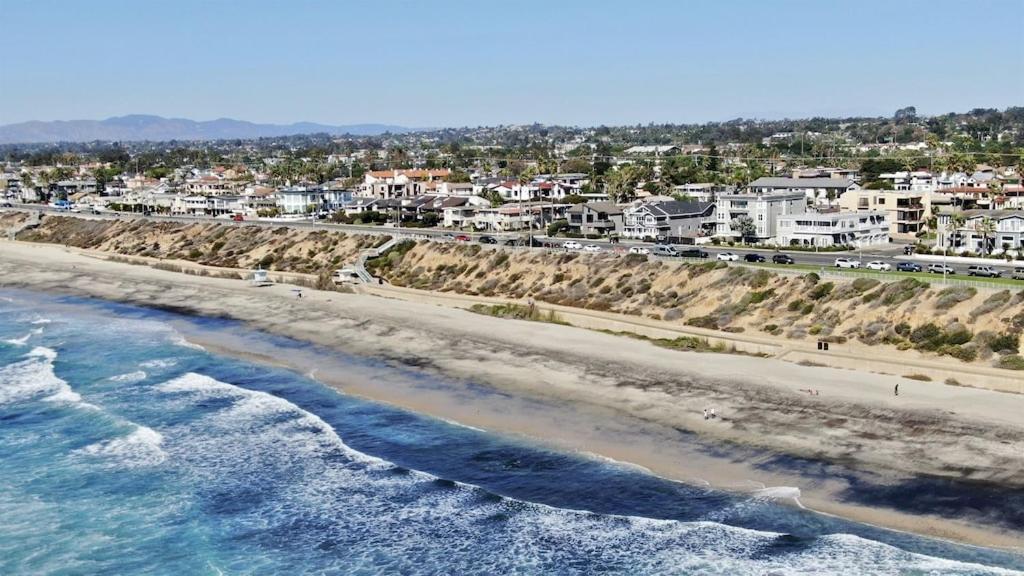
940 269
238 218
448 236
518 242
986 271
488 240
662 250
753 258
693 253
639 250
591 248
728 257
572 245
1018 274
908 267
847 263
6 205
783 259
462 238
878 265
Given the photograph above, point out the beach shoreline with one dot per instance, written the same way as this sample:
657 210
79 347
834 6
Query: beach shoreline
647 392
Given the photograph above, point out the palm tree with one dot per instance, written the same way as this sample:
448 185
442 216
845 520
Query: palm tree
956 222
986 227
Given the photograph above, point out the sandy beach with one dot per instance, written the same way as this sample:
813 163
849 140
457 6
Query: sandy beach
607 395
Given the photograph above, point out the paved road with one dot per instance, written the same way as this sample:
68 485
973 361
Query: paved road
891 254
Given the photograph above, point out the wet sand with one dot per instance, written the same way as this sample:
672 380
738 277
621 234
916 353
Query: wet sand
605 395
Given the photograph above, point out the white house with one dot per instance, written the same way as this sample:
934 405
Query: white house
819 191
763 208
858 229
298 200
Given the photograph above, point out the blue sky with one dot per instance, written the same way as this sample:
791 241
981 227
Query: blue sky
456 63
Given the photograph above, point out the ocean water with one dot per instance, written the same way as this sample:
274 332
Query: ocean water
126 450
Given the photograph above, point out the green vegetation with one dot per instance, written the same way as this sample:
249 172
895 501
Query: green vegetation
1011 362
518 312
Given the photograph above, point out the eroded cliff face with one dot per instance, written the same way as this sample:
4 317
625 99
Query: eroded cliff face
212 244
970 324
980 326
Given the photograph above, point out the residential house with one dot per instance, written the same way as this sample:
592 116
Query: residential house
702 191
454 189
602 218
818 191
906 211
823 229
400 183
763 209
652 150
675 221
462 215
299 200
983 231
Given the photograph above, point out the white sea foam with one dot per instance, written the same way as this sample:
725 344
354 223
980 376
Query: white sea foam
254 406
129 377
41 321
141 447
33 377
179 340
158 363
402 512
24 339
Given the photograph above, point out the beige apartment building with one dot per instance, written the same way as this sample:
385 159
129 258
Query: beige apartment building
906 211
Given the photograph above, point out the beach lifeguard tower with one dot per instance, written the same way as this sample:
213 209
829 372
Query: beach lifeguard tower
260 278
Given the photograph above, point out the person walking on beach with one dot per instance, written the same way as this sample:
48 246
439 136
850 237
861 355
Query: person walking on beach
712 413
896 390
705 413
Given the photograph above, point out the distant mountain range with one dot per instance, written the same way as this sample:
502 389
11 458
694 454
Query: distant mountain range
155 128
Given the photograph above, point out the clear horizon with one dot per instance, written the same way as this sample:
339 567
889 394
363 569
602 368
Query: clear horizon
455 63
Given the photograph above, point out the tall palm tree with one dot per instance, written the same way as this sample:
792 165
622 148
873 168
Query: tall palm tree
985 227
956 222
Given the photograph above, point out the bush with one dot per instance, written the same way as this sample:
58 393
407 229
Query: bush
1005 343
795 305
760 296
954 295
899 292
1011 362
821 290
864 284
557 226
927 335
703 322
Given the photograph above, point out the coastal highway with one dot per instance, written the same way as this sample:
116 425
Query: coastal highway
891 254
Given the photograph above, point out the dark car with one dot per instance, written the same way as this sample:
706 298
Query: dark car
6 205
753 258
783 259
692 253
488 240
908 267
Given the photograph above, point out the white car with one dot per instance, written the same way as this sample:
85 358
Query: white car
847 263
639 250
728 257
572 245
878 265
591 248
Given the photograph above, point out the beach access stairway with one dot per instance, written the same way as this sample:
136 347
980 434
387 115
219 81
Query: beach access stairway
34 219
360 266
